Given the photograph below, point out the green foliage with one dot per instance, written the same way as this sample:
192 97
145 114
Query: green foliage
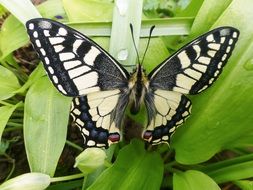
192 179
8 87
5 114
221 116
134 172
41 126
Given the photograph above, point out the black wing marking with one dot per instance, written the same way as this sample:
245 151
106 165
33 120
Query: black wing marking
166 111
197 65
98 116
75 64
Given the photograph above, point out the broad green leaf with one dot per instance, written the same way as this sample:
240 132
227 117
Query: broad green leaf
222 115
88 10
135 168
208 14
12 36
234 172
244 184
5 114
8 83
46 116
193 180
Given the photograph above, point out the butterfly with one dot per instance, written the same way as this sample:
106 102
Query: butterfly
102 89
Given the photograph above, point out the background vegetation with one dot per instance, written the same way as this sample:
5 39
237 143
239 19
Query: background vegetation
212 150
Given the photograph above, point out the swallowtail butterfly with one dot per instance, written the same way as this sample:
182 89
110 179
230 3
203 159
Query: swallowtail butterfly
102 88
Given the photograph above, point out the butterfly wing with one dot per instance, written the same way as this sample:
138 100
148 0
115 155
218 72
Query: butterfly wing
196 65
98 116
77 66
166 111
190 70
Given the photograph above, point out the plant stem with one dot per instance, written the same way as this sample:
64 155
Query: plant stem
74 145
13 165
66 178
121 43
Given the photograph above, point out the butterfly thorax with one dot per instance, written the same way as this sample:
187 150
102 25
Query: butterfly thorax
138 85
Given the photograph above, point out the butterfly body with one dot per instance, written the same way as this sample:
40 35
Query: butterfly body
138 85
103 89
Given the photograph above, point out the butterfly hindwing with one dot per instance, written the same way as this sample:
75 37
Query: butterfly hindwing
75 64
167 110
98 116
197 65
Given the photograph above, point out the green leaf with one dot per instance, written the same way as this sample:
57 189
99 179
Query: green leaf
8 83
233 172
5 114
212 9
88 10
135 168
244 184
12 36
193 180
221 116
46 116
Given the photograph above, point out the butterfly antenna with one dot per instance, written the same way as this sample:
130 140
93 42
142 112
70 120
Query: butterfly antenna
132 34
149 37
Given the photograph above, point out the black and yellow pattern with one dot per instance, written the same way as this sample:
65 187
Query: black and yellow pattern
80 68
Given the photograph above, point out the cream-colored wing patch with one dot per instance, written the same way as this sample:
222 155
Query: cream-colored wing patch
170 110
95 116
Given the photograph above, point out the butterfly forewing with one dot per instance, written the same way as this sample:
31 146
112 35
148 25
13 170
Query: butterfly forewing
196 65
75 64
